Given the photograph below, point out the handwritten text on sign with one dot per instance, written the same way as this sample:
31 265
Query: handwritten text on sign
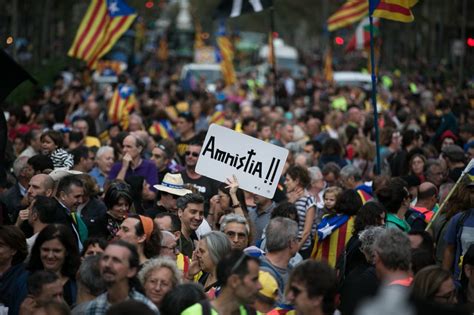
257 164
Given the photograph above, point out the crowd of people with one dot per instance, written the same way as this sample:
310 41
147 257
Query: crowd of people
104 216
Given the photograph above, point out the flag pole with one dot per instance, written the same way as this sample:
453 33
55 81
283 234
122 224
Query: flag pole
273 65
466 170
374 95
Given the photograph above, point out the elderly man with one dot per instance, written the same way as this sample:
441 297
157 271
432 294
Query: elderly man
118 267
104 159
351 178
132 162
237 230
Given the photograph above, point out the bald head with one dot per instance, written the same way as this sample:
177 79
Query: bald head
40 185
427 190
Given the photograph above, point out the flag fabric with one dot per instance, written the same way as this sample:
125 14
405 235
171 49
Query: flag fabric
350 12
234 8
163 128
332 246
396 10
361 38
123 102
217 118
162 52
225 55
12 75
198 42
103 24
328 70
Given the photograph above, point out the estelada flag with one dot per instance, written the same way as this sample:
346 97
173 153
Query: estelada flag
350 12
396 10
105 21
123 102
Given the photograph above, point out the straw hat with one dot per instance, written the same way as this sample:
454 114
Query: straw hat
173 184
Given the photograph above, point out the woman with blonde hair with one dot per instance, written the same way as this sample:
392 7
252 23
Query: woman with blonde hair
364 154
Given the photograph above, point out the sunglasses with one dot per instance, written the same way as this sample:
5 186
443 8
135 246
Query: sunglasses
195 154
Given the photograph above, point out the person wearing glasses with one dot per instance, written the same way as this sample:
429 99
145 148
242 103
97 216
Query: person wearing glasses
238 275
312 288
237 229
434 284
206 186
159 276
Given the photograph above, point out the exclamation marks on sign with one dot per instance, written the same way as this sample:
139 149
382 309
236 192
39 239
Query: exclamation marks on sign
273 167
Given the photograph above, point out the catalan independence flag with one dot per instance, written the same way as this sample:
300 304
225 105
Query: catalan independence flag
123 102
225 56
331 247
163 128
396 10
350 12
105 21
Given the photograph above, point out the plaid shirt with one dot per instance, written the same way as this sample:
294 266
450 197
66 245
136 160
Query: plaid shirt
101 304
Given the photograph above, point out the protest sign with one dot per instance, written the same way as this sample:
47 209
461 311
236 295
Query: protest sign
256 164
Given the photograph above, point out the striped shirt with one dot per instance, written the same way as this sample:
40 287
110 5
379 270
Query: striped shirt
302 206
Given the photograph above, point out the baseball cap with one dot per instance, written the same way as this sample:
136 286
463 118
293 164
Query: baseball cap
269 285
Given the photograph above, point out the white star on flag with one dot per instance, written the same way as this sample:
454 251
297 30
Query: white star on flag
113 7
326 231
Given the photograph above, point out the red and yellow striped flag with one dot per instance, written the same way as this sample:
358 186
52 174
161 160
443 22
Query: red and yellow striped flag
331 247
350 12
226 57
123 102
396 10
105 21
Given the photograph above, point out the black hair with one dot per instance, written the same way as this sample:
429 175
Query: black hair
40 163
38 279
55 136
348 202
130 307
175 221
368 215
317 146
116 191
393 194
46 209
421 258
64 235
319 280
14 238
80 152
427 242
66 182
181 297
92 241
235 262
300 174
182 202
286 210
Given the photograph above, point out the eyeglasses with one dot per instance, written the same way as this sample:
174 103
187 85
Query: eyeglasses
232 234
195 154
173 249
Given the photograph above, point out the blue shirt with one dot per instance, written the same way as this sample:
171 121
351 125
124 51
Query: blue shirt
99 177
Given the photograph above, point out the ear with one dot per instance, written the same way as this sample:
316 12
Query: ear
317 302
233 281
49 193
177 234
62 194
180 213
141 239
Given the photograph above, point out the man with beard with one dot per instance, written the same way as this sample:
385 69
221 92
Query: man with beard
118 268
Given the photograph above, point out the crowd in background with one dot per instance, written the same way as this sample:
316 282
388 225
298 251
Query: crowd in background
110 217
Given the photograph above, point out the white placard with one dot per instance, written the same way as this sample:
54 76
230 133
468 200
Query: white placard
256 164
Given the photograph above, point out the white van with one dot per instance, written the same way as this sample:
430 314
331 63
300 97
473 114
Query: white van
349 78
